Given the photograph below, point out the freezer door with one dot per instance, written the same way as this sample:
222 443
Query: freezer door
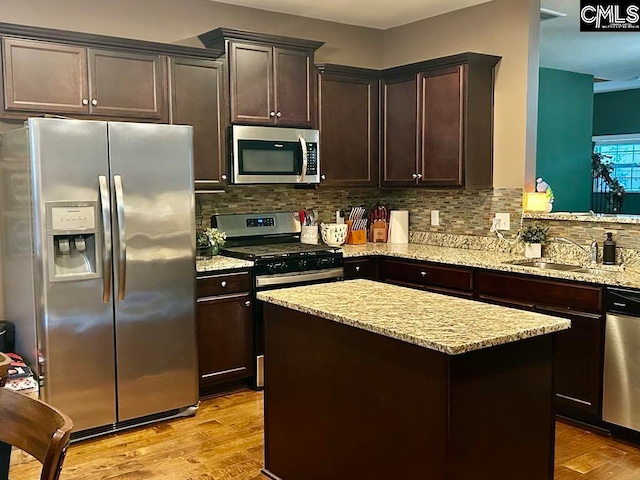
154 267
74 324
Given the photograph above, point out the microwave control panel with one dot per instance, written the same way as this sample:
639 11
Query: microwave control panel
312 158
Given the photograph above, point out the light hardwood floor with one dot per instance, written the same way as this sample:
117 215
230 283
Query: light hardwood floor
224 442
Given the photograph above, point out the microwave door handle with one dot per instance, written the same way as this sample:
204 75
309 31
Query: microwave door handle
305 158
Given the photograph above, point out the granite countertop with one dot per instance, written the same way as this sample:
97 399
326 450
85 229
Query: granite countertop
220 262
490 260
439 322
584 217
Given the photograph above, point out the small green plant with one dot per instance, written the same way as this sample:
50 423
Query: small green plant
534 233
209 241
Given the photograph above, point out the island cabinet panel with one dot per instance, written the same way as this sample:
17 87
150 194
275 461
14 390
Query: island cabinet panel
361 267
428 276
386 409
44 77
126 84
348 119
579 351
224 330
197 98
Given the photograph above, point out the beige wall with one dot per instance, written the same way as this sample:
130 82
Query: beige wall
180 21
500 27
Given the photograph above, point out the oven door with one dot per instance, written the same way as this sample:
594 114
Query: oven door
269 282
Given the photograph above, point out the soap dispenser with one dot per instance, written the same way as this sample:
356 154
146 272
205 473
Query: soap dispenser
609 250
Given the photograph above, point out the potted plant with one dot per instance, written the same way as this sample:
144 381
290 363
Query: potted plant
209 241
533 235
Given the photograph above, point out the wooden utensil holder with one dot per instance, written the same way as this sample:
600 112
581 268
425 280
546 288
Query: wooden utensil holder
355 237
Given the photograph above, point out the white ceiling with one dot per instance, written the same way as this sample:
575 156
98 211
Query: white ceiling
610 56
380 14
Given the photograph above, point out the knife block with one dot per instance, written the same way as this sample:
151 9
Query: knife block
355 237
379 232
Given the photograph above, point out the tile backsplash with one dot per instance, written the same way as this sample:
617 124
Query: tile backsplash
462 212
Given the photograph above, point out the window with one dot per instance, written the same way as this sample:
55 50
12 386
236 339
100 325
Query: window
624 153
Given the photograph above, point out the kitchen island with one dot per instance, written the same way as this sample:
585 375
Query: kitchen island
367 380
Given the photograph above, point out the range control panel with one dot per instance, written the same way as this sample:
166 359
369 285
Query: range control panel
261 222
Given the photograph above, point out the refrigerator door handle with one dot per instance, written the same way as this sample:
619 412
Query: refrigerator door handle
105 204
122 248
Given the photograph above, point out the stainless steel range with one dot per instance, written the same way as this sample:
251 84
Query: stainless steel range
272 242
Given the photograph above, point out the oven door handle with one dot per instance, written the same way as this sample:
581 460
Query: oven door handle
315 275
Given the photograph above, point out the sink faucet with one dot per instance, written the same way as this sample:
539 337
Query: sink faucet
592 252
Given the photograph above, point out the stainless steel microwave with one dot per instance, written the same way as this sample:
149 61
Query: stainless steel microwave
265 155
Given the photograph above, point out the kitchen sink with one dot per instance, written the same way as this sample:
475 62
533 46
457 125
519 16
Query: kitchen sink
541 264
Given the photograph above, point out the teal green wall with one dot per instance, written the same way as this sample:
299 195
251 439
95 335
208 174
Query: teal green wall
616 113
565 121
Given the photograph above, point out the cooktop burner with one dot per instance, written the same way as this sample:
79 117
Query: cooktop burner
273 250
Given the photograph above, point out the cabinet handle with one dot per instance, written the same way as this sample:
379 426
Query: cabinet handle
323 177
223 283
279 114
419 176
223 177
358 268
272 114
424 274
248 303
94 102
85 101
414 176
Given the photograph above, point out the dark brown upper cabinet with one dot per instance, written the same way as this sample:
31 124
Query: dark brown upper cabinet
348 122
437 123
45 77
197 98
271 78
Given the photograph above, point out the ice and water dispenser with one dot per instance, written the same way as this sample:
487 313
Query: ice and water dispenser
73 247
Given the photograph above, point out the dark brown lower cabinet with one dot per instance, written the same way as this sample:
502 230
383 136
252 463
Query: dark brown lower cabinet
579 351
428 276
225 338
361 267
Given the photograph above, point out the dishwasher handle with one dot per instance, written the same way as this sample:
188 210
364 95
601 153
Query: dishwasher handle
623 301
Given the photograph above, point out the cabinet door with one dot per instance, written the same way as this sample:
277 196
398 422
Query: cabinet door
442 107
293 86
44 77
399 132
224 338
126 84
251 76
196 99
361 268
578 365
348 109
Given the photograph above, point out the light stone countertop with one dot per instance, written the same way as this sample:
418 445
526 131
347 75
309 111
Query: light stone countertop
220 262
490 260
439 322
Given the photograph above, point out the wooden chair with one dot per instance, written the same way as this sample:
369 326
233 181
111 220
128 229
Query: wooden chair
36 428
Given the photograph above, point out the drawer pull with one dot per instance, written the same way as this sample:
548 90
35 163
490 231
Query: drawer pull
423 274
358 268
223 283
248 303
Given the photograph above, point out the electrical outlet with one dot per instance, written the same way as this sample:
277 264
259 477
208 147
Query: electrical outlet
503 221
435 218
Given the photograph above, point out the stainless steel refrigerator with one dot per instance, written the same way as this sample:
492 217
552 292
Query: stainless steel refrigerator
98 259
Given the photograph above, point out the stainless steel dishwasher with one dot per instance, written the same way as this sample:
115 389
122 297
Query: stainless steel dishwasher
621 402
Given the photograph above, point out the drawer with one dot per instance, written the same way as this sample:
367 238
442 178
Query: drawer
428 275
535 292
360 268
223 284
